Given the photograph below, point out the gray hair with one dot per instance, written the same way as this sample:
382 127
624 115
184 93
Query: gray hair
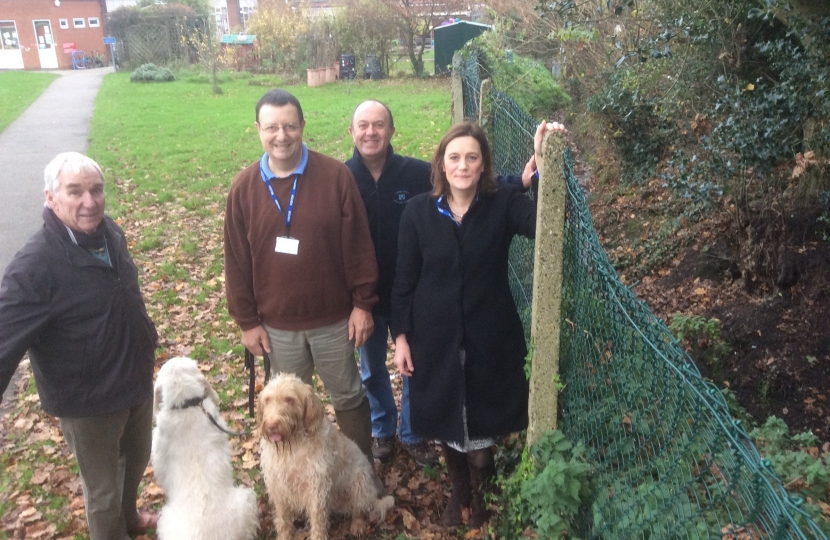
68 161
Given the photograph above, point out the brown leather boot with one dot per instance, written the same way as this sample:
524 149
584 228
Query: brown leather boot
459 472
482 471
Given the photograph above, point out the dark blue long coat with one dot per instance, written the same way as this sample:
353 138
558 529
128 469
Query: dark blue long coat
451 291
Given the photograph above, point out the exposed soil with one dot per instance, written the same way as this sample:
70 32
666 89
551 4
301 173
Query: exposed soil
772 296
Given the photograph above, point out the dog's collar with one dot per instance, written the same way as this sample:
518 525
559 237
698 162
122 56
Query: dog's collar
192 402
197 402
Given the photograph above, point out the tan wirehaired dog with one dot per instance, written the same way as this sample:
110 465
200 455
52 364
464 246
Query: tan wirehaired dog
309 466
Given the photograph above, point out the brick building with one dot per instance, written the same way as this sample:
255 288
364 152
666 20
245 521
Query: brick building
41 34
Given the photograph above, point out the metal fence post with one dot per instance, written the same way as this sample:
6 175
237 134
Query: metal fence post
547 288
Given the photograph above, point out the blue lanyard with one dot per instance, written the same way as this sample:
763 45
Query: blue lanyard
277 202
445 211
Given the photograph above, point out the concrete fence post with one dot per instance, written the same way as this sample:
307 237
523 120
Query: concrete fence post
547 288
457 90
484 105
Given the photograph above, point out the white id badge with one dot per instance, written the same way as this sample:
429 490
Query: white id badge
287 245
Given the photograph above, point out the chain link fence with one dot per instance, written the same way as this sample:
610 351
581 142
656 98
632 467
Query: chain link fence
670 460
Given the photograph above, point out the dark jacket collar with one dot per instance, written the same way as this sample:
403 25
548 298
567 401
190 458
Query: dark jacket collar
357 163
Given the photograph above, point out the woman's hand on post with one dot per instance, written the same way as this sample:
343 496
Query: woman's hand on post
403 357
544 127
538 138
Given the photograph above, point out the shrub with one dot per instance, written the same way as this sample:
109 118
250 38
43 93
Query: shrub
703 337
800 463
548 490
527 81
152 73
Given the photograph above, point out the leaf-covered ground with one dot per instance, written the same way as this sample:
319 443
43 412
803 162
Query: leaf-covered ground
778 337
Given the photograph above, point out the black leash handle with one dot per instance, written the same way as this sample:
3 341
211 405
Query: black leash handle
250 365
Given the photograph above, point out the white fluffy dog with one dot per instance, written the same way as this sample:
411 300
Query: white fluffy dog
309 466
192 461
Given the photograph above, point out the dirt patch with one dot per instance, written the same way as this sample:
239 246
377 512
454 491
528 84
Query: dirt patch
776 319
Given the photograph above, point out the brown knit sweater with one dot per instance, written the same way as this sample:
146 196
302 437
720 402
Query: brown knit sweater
335 268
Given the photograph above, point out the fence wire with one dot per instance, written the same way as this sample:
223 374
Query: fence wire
671 462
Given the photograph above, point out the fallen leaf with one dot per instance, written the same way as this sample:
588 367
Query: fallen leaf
410 522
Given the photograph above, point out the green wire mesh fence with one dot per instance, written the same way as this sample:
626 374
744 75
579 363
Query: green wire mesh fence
670 460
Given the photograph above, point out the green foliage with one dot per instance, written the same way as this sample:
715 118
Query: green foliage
703 336
644 255
711 89
202 7
641 123
548 489
799 463
527 81
367 27
152 73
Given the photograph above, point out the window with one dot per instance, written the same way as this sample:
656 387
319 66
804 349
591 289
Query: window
79 23
64 23
247 11
94 22
220 14
8 36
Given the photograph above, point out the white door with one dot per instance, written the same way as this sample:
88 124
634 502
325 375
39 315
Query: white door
46 45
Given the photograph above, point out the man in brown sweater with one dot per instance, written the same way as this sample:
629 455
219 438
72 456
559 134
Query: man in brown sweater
300 269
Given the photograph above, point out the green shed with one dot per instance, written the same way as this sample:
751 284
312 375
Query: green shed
450 38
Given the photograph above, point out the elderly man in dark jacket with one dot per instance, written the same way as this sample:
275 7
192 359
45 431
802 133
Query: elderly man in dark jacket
71 299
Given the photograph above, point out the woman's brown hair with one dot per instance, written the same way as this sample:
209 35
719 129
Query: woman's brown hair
487 182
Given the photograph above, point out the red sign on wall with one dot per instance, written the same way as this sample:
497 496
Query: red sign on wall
68 47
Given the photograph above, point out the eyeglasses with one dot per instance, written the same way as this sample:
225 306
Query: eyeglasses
289 129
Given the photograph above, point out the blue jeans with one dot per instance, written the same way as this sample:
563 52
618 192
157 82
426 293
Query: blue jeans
376 380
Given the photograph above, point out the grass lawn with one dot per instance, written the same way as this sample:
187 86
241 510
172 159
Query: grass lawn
18 89
170 152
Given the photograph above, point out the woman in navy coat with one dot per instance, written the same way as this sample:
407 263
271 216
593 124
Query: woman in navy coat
457 331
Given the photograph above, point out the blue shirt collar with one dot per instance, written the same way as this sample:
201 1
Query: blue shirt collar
266 173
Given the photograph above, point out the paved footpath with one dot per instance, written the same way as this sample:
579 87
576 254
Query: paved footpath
58 121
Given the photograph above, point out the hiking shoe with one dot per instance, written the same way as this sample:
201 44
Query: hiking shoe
421 453
383 448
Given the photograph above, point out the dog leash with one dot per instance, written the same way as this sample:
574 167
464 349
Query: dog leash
250 365
213 421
